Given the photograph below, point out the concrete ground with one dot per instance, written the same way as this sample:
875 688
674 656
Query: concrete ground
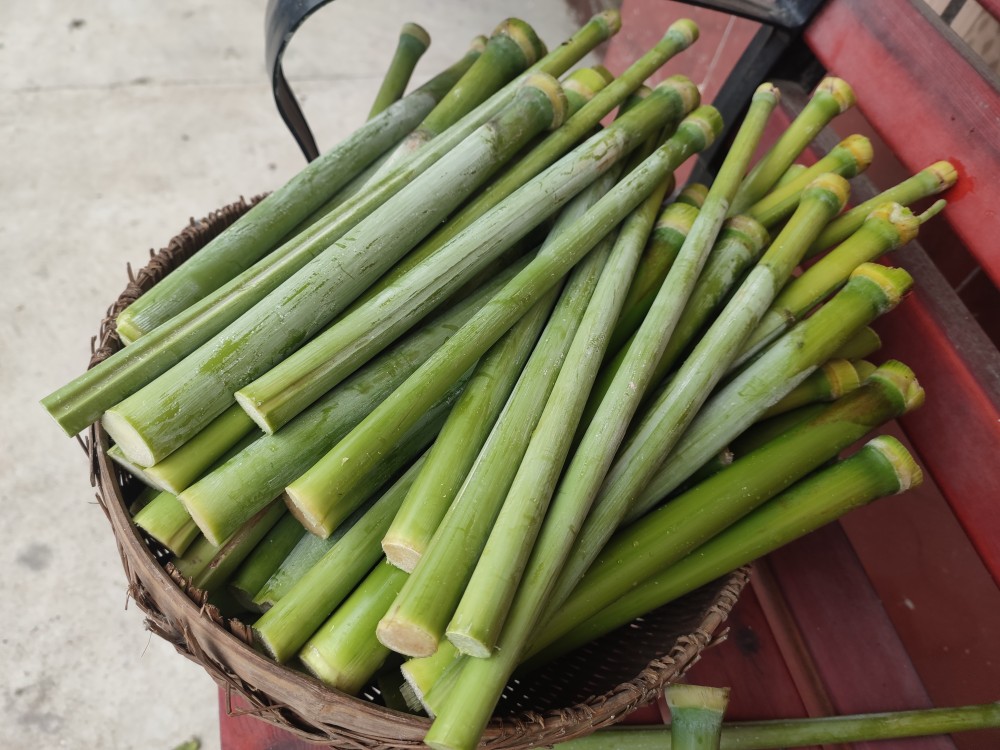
118 121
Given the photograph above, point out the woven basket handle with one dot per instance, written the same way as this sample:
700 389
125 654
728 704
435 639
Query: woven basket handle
281 20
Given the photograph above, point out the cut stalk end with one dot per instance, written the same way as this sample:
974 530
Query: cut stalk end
550 87
829 187
907 470
250 405
416 32
707 121
899 218
469 645
586 82
524 37
943 171
401 553
769 92
903 380
686 90
861 151
685 31
478 44
842 377
683 696
301 506
133 446
892 282
678 217
754 234
839 89
864 368
405 637
611 20
693 195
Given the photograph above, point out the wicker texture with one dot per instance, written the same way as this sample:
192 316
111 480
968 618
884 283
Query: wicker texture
589 688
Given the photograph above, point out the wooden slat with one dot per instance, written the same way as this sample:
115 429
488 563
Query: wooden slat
928 98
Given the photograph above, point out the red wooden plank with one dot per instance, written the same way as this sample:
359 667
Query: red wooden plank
929 100
849 636
241 732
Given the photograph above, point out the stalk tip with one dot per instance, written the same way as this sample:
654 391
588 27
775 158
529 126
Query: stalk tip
829 186
683 696
417 32
945 173
128 439
754 234
678 217
693 194
524 37
585 81
768 91
907 470
841 376
478 44
685 88
604 73
860 149
892 282
550 87
405 638
685 30
400 554
610 20
707 120
839 89
864 368
899 218
901 377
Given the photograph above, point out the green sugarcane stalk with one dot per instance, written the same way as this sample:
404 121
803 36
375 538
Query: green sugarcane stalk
419 436
696 716
831 381
167 521
936 178
264 560
166 413
267 223
786 733
886 228
141 500
84 399
184 466
862 344
416 622
463 715
208 566
693 194
461 439
882 467
668 236
872 291
790 174
582 85
344 652
510 50
230 494
831 97
286 626
683 96
849 158
678 405
480 614
738 246
333 474
664 536
413 42
139 472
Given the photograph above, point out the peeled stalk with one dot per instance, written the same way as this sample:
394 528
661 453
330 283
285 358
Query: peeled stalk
886 228
790 174
831 97
831 381
639 551
413 42
872 291
582 85
415 623
167 521
180 469
265 558
333 474
936 178
696 716
230 494
787 733
139 472
882 467
863 343
461 439
163 415
480 614
344 652
286 626
849 158
267 223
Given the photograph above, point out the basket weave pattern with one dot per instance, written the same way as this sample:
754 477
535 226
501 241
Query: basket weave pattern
590 688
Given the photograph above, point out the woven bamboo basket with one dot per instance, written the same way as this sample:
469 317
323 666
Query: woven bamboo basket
593 687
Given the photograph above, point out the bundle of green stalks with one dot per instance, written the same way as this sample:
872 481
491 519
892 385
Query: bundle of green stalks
480 349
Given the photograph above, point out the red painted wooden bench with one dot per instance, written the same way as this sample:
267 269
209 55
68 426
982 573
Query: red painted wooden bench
898 605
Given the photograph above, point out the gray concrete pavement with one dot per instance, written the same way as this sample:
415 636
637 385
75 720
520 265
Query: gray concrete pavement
118 121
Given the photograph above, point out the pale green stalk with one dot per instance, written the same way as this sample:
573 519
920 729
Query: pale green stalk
286 626
863 343
790 174
230 494
333 475
344 652
413 42
264 560
886 228
480 614
786 733
882 467
831 97
167 521
696 716
934 179
164 414
872 291
416 622
831 381
139 472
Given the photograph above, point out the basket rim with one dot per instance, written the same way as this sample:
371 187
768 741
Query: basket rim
181 615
